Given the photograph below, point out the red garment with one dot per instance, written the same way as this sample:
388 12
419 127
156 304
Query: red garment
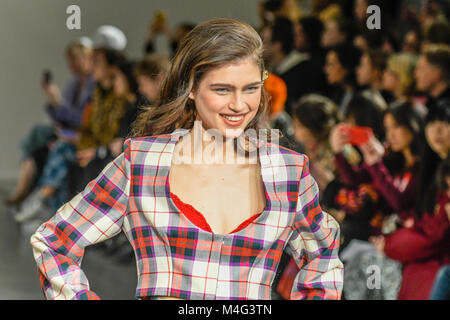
422 249
197 218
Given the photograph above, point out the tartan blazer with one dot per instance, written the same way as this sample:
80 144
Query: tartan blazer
175 257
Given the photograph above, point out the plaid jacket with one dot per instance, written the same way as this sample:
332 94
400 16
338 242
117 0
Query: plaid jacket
175 257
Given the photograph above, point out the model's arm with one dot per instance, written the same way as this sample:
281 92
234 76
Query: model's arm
314 245
92 216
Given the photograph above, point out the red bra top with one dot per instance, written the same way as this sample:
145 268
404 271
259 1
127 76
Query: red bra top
197 218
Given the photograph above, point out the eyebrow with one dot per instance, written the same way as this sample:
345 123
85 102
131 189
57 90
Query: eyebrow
231 86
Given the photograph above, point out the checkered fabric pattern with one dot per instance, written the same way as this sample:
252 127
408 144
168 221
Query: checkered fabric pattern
175 257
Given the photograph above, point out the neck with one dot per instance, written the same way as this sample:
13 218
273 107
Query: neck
438 89
203 147
443 155
347 87
409 158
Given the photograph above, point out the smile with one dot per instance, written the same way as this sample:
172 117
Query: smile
234 120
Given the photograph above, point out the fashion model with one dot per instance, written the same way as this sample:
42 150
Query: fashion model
206 197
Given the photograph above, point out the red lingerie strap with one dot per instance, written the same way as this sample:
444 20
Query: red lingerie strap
197 218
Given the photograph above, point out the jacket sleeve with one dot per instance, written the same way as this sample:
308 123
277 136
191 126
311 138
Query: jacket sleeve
423 241
384 183
314 245
92 216
349 174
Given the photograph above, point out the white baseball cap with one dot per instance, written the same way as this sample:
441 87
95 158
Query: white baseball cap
109 37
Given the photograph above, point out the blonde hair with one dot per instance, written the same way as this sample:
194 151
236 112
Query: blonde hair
76 47
403 65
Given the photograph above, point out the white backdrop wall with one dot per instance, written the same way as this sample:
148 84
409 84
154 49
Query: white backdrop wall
33 36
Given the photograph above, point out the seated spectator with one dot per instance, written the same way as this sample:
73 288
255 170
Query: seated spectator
428 235
369 75
149 73
387 185
352 192
52 189
65 112
394 170
341 62
102 116
412 41
338 31
313 118
437 32
286 62
428 239
398 78
433 75
279 119
308 32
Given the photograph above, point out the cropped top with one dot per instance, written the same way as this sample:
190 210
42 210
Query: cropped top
177 257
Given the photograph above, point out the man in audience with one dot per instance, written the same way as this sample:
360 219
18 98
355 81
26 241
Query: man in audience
433 75
286 62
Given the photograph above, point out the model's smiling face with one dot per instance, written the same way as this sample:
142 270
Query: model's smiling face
233 90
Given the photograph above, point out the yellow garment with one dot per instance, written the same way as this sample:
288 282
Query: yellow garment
101 124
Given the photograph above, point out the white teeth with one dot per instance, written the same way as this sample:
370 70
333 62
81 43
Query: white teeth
232 118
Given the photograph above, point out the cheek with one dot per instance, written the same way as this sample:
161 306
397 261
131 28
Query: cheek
254 100
119 85
430 135
210 102
404 136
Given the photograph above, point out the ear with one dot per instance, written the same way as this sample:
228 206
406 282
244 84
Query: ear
191 95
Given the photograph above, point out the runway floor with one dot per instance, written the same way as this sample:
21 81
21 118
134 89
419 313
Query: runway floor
19 278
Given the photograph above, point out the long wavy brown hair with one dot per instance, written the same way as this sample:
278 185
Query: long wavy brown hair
209 45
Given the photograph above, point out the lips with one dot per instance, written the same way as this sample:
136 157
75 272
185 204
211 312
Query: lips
233 120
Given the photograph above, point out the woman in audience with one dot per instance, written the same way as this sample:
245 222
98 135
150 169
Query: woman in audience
398 78
337 31
369 75
395 170
150 73
100 118
125 87
313 118
428 238
65 112
341 62
352 192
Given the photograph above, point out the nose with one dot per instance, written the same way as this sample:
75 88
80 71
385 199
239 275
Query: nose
237 104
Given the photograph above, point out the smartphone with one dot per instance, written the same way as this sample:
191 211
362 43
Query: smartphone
47 76
359 135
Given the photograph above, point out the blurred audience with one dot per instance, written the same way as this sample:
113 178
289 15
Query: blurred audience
370 108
